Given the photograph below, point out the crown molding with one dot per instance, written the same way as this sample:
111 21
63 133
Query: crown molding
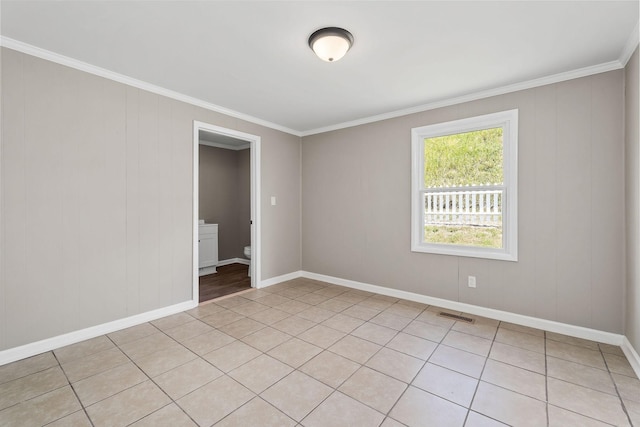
630 45
626 53
556 78
121 78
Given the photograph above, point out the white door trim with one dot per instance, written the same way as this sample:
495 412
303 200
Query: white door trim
254 146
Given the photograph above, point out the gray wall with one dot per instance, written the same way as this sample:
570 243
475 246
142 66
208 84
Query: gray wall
96 199
356 207
225 197
281 223
632 157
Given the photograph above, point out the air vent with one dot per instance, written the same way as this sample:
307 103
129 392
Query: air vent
456 317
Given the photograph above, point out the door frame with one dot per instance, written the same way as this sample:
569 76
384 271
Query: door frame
254 147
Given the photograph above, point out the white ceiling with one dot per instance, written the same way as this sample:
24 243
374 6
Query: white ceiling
252 57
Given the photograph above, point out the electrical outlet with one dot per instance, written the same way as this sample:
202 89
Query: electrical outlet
472 281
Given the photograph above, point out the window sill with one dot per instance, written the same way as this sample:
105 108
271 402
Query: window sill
465 251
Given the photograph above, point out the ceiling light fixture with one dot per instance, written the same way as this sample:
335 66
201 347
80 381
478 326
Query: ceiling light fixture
331 43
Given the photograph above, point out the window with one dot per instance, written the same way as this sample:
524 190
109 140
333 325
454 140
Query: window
464 187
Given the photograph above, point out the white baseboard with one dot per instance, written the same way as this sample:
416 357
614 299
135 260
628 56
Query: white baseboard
211 270
533 322
232 261
207 270
31 349
279 279
632 355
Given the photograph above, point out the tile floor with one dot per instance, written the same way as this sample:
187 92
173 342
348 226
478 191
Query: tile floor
311 354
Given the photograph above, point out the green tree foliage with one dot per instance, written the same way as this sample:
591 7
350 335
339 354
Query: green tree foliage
464 159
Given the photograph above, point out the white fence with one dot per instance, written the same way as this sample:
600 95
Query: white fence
472 207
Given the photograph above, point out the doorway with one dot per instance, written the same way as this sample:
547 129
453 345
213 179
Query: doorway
228 274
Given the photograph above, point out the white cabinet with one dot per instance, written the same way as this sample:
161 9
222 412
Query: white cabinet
207 248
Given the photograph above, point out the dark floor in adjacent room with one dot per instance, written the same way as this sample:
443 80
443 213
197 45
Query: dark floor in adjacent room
229 279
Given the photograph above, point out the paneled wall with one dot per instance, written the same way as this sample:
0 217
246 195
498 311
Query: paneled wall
96 203
632 158
97 199
356 207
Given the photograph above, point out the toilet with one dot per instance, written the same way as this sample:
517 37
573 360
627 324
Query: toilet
247 253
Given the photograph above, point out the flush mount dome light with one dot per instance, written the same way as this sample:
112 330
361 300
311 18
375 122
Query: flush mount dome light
330 44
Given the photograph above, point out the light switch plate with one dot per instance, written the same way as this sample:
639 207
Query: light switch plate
472 281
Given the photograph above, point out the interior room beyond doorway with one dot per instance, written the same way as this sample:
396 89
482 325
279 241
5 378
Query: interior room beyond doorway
224 211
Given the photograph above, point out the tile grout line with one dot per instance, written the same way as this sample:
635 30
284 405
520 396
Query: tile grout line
336 389
397 332
324 348
149 378
484 365
257 396
575 383
440 343
408 385
546 376
30 373
615 385
84 409
224 374
293 367
427 361
363 365
34 373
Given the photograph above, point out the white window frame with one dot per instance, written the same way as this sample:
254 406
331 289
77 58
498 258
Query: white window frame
508 120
